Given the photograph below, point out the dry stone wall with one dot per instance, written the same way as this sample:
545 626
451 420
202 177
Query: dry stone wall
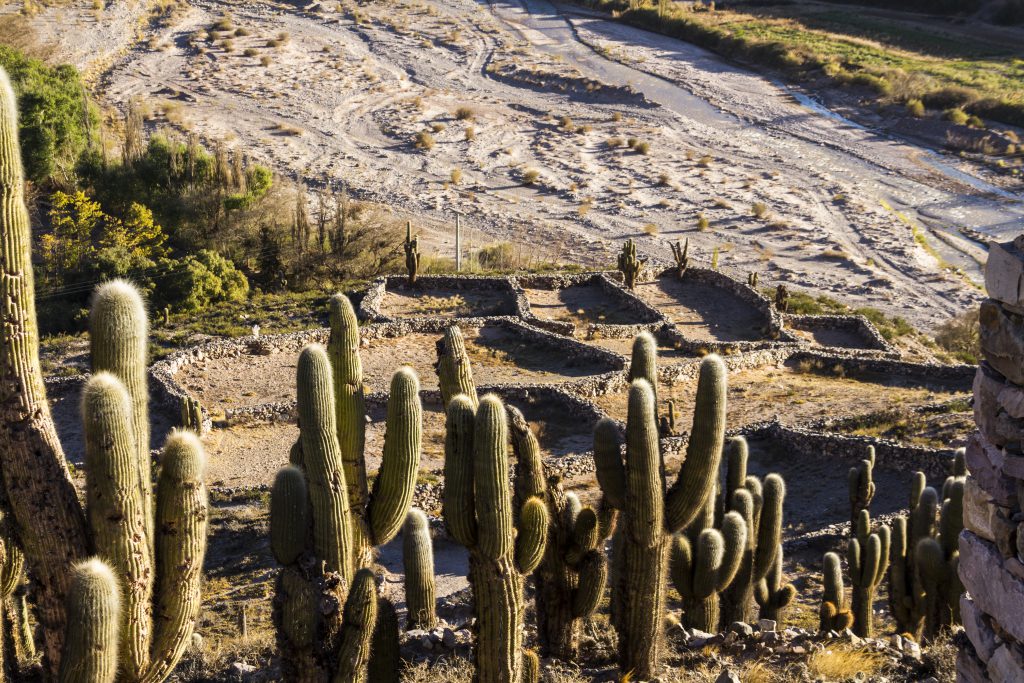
992 543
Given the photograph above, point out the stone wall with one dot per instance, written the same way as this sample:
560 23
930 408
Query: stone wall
992 543
856 325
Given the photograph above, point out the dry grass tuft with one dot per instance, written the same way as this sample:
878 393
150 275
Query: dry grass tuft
844 664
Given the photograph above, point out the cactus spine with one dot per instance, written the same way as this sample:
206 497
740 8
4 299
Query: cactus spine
862 487
418 560
570 581
324 550
454 373
629 265
704 562
499 557
94 618
833 616
772 594
867 554
649 515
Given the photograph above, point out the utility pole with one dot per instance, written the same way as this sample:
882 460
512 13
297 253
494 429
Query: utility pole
458 243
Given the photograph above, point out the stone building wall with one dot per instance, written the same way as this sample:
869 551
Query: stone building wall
992 543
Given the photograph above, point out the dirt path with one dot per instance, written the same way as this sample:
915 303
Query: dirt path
343 95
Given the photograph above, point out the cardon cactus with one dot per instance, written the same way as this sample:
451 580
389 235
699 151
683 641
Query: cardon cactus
937 559
94 619
772 593
867 554
319 533
833 615
412 253
385 659
454 374
704 561
418 561
649 515
502 551
570 580
862 486
191 415
629 265
681 255
12 621
906 593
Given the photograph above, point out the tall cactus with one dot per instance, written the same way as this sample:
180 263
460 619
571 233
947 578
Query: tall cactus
772 593
412 253
704 562
937 560
649 515
570 581
867 554
455 376
833 615
862 486
479 511
681 255
418 561
906 593
320 536
629 265
31 458
94 619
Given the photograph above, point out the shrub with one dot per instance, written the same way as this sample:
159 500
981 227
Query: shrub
424 140
702 222
456 176
251 52
530 176
642 147
496 257
613 142
265 60
663 179
631 142
759 209
704 161
959 336
565 122
956 115
915 108
470 134
198 280
464 114
437 127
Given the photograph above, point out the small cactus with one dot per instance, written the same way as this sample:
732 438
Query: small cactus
418 560
833 615
867 555
191 415
680 254
412 253
501 552
704 562
629 265
455 376
862 487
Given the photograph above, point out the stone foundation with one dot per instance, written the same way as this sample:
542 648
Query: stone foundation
992 543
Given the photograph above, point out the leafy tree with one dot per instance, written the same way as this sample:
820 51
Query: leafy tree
198 280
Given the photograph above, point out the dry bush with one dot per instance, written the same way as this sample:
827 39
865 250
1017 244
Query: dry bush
437 127
663 179
642 147
759 209
424 140
613 142
702 222
456 176
844 664
470 134
650 229
443 670
465 114
530 176
959 336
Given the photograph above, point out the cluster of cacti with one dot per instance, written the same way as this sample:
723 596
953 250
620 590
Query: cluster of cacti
752 280
412 253
704 562
324 524
454 373
867 557
834 615
191 414
649 514
862 486
418 560
781 298
681 255
570 580
505 544
629 265
924 585
760 506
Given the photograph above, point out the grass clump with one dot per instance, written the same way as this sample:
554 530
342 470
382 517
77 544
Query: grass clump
642 147
844 664
465 114
424 140
915 108
531 176
614 142
759 210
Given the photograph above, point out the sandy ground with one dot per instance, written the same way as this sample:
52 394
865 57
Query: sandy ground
344 94
404 303
581 305
703 312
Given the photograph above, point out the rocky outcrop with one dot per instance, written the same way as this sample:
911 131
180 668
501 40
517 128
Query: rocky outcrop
992 543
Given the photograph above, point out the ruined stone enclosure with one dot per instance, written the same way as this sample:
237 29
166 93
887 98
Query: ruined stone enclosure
811 393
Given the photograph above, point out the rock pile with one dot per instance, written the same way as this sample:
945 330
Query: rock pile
992 543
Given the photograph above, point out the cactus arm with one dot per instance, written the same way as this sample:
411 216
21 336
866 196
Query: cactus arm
116 512
118 342
584 537
289 515
644 361
458 505
333 541
734 535
90 652
454 372
359 618
704 451
491 480
418 560
532 536
530 476
182 513
737 454
769 532
385 658
611 473
349 399
393 488
645 482
32 459
593 575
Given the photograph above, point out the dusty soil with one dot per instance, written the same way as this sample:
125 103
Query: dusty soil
667 353
405 303
834 338
581 305
703 312
794 395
